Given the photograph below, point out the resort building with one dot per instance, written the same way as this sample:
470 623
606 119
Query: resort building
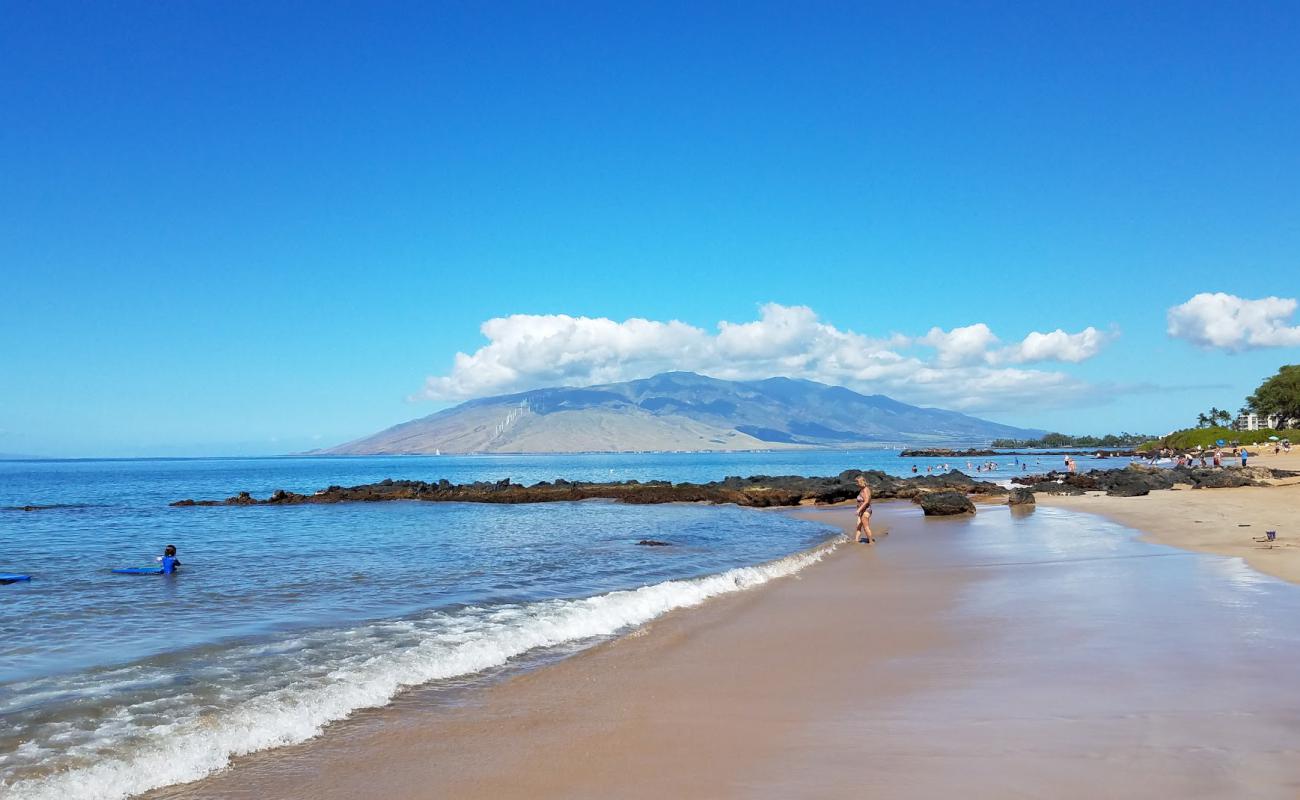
1254 422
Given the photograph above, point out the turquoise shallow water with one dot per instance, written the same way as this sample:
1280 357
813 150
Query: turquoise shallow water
284 618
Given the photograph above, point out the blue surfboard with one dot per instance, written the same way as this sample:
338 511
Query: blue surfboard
13 577
139 571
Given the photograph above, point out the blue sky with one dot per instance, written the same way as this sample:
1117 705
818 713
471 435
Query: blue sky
255 228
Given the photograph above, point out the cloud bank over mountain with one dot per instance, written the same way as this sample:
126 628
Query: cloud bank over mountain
967 368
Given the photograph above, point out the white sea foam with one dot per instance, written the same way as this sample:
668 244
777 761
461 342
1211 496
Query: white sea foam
466 642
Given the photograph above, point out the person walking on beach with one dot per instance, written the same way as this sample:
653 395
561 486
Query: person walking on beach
864 512
1245 454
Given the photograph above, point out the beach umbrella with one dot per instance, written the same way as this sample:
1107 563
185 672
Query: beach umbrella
1220 442
1272 438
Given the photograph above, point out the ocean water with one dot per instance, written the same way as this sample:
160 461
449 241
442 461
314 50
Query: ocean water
284 619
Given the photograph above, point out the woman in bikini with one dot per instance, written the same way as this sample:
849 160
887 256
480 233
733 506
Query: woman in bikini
864 512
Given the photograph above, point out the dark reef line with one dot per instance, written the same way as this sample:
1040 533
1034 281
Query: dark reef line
1136 479
758 491
761 491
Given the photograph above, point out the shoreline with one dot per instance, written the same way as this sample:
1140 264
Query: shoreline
1223 522
910 669
612 702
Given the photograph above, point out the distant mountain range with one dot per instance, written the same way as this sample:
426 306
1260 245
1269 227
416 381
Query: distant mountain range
678 411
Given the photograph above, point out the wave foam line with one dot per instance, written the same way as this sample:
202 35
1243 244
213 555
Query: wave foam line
187 751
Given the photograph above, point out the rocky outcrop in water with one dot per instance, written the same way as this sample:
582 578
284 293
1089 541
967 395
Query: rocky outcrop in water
1137 480
1020 497
757 491
945 504
764 490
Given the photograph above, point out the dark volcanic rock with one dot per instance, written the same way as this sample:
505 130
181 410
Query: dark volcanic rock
1137 479
1052 487
1047 484
654 543
765 490
1020 497
942 504
1131 485
1087 482
957 480
756 491
1220 479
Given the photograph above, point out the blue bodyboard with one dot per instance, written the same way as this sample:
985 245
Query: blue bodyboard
139 571
13 577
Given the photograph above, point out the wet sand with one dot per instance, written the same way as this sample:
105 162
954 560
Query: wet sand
1265 457
1225 522
1047 654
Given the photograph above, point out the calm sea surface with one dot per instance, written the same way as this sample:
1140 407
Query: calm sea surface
284 619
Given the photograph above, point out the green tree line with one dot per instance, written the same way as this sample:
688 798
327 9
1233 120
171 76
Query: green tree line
1278 395
1065 440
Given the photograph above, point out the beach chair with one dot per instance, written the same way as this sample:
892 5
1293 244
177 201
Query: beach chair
1269 538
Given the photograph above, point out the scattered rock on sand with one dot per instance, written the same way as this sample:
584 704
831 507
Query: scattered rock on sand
944 504
1020 497
1132 484
1222 479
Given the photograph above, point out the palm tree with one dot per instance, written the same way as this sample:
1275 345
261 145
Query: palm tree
1202 421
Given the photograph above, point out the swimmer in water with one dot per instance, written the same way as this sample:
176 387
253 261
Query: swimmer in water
168 559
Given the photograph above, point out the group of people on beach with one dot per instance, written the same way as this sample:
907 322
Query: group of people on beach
1201 457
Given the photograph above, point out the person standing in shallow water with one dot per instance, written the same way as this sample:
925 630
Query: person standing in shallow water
864 512
168 559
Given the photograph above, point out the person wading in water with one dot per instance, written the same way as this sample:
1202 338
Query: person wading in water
864 512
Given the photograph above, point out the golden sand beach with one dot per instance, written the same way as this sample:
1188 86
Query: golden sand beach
1221 521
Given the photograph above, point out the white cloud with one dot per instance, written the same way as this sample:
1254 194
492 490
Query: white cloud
1056 346
977 344
969 369
968 345
1234 323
